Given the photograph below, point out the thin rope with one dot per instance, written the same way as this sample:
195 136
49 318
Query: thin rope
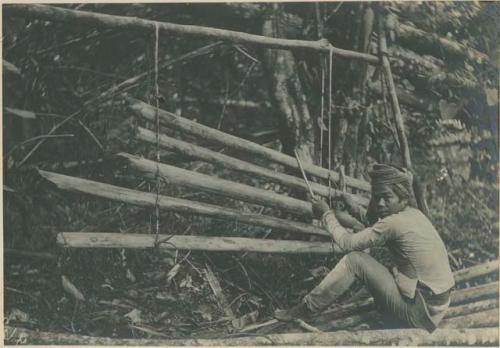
330 71
322 115
157 119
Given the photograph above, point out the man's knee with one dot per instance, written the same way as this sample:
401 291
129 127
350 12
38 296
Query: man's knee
356 261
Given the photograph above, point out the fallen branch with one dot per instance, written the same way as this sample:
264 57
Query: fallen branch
147 112
204 154
59 14
146 199
441 337
177 242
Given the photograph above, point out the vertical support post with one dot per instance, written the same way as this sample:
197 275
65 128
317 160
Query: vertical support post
396 111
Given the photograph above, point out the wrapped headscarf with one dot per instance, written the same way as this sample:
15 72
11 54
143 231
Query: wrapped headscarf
399 179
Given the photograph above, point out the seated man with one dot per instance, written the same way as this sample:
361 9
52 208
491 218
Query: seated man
417 291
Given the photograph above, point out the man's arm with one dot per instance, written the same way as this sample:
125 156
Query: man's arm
352 241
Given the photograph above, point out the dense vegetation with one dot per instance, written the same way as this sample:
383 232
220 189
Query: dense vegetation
55 118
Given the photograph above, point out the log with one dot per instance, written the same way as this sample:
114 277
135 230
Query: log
476 271
147 112
145 199
204 154
178 176
176 242
488 318
473 307
431 43
440 337
474 294
58 14
473 315
463 301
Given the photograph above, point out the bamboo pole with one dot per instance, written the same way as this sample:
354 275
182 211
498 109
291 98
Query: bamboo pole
173 175
234 190
145 199
58 14
476 271
414 337
203 154
147 112
176 242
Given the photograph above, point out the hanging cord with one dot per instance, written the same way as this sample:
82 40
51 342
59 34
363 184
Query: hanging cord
157 121
322 114
330 71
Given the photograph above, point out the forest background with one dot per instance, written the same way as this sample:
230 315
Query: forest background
63 111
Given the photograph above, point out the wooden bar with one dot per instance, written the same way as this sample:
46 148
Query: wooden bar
203 154
145 199
58 14
148 112
176 242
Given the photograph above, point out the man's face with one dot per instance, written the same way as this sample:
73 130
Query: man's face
387 202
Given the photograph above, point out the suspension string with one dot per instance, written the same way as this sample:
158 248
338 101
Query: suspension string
157 121
330 71
321 123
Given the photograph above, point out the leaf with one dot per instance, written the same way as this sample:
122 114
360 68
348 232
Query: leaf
186 282
322 125
491 96
18 315
21 113
8 189
448 110
130 276
247 319
134 316
11 67
71 289
173 272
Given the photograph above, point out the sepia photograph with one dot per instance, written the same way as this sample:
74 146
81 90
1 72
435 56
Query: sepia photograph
250 173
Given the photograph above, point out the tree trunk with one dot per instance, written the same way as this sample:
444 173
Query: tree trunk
414 337
297 131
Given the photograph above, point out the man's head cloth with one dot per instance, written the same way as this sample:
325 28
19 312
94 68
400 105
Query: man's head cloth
398 179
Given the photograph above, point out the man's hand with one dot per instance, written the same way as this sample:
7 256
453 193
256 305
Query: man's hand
319 208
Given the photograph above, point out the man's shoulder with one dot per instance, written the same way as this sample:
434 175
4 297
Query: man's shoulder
405 217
